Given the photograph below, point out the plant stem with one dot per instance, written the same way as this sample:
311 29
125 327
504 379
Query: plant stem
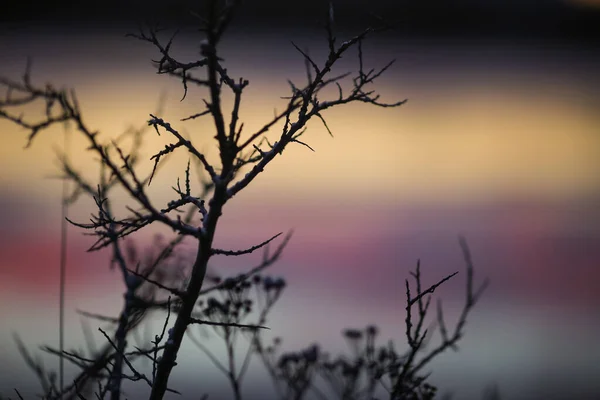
166 364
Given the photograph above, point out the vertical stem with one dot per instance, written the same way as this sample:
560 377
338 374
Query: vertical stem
62 273
120 336
232 372
169 355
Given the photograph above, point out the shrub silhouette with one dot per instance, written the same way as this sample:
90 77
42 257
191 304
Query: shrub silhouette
193 299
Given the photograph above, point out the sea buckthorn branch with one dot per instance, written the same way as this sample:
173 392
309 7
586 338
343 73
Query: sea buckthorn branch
303 105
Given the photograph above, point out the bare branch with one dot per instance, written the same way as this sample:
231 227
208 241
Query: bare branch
431 289
231 324
245 251
155 121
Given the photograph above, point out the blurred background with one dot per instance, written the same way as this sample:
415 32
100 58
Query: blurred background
499 141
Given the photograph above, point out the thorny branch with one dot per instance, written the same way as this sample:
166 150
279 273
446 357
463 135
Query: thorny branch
236 152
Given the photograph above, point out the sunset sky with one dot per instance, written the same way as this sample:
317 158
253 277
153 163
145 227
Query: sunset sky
499 141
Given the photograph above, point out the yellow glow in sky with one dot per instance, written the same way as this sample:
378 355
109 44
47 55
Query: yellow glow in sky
481 145
454 142
587 3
